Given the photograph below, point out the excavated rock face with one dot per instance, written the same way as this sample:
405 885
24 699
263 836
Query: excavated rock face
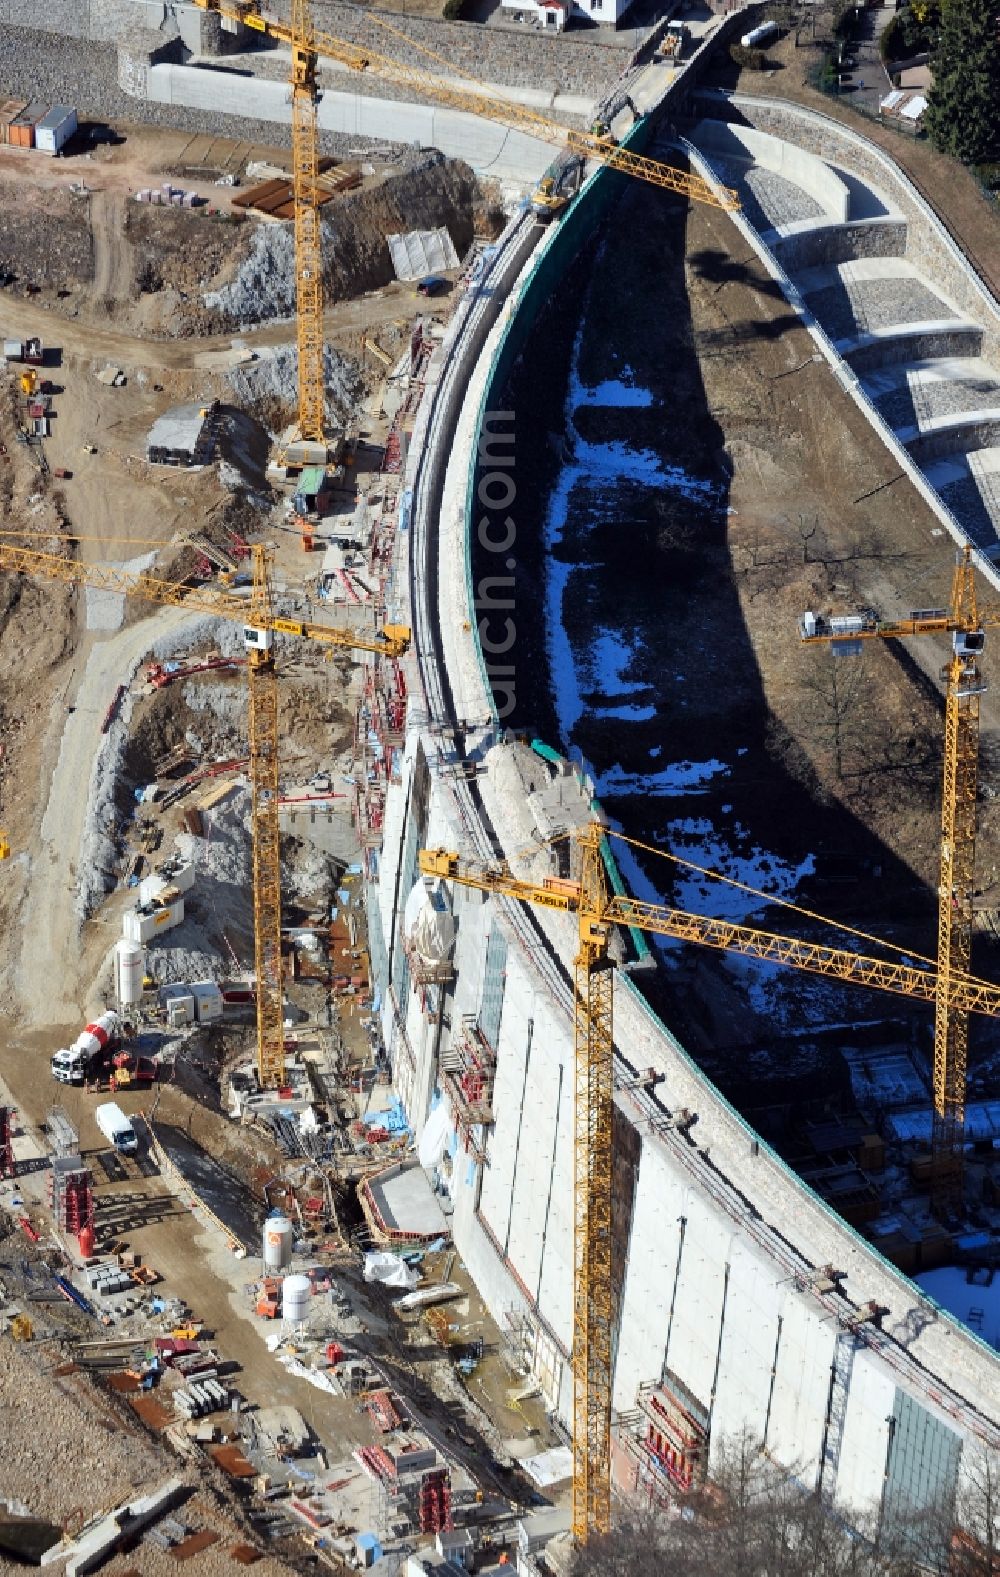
428 191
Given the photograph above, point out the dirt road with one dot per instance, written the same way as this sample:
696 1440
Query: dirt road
112 252
119 170
19 319
50 996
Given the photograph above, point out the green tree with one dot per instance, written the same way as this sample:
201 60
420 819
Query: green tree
963 116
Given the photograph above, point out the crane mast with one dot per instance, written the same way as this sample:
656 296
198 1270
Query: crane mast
966 623
955 887
308 240
263 738
592 1157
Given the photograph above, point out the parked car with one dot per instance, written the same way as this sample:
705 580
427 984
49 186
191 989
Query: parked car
432 285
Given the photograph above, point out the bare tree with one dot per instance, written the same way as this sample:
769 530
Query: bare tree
977 1540
834 692
756 1520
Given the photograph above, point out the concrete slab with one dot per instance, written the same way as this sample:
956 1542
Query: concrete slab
407 1203
861 270
970 486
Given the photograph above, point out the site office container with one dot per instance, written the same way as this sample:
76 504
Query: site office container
22 129
10 109
55 129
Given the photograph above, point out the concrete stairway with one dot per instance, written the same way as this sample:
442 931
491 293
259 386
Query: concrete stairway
919 358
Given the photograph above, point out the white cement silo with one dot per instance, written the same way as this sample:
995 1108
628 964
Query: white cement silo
129 963
278 1235
296 1292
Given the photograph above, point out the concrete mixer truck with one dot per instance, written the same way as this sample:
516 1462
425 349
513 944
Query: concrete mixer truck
90 1052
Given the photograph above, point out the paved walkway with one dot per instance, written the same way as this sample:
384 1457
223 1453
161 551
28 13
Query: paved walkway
869 82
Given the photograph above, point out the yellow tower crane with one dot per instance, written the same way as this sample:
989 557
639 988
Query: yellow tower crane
308 240
966 623
598 911
309 444
260 625
470 95
307 45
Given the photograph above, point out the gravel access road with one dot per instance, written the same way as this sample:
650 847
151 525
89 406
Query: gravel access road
50 996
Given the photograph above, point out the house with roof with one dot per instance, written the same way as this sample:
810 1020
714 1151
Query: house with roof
553 15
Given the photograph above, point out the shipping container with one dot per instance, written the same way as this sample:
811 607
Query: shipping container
22 129
58 126
10 109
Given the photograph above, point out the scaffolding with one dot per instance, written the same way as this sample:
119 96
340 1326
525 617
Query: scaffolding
379 734
515 1341
434 1502
8 1166
468 1069
63 1136
71 1194
665 1441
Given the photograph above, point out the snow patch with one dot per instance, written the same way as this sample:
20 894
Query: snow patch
683 777
976 1304
697 839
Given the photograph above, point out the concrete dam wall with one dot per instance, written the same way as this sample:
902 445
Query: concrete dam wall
742 1301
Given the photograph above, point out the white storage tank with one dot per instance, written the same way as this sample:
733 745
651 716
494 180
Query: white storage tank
296 1292
278 1238
128 972
208 1002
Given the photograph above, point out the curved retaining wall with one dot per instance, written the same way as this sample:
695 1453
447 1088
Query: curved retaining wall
929 248
858 1382
772 153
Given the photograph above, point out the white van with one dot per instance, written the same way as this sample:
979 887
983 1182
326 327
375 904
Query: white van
116 1128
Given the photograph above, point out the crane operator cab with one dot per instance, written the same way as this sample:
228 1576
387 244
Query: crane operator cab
969 643
257 640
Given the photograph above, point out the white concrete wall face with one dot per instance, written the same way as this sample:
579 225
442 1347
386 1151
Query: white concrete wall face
749 1339
801 1387
702 1303
491 149
863 1452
